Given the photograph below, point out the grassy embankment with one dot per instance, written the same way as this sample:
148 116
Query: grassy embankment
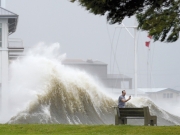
39 129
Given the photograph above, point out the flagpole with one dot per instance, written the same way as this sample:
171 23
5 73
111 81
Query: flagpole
135 53
135 62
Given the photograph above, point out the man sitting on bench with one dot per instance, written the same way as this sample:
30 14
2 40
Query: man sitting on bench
122 100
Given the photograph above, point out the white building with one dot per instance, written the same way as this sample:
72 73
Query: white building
165 95
8 49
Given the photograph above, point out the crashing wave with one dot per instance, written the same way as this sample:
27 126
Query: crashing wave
49 92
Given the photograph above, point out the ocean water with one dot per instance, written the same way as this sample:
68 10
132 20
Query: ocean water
43 90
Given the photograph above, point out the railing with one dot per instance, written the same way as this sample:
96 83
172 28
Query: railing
15 43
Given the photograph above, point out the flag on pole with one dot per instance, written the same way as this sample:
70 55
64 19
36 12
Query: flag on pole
147 43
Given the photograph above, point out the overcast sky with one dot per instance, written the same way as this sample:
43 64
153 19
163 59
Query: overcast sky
86 36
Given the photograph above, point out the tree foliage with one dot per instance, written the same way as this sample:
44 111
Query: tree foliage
159 17
162 22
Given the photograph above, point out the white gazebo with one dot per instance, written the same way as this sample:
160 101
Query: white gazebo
8 24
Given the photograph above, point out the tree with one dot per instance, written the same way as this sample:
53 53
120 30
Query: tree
159 17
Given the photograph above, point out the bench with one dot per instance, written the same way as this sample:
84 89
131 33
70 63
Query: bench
122 114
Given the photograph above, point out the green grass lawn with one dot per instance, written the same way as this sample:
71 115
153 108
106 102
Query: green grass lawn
54 129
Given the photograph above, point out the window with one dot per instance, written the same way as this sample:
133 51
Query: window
0 34
168 95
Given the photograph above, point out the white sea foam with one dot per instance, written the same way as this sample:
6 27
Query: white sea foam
43 90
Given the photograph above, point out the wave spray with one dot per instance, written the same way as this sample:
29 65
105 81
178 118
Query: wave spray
51 92
43 90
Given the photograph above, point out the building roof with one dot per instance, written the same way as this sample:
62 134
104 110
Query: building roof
116 76
12 19
146 90
165 89
81 62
